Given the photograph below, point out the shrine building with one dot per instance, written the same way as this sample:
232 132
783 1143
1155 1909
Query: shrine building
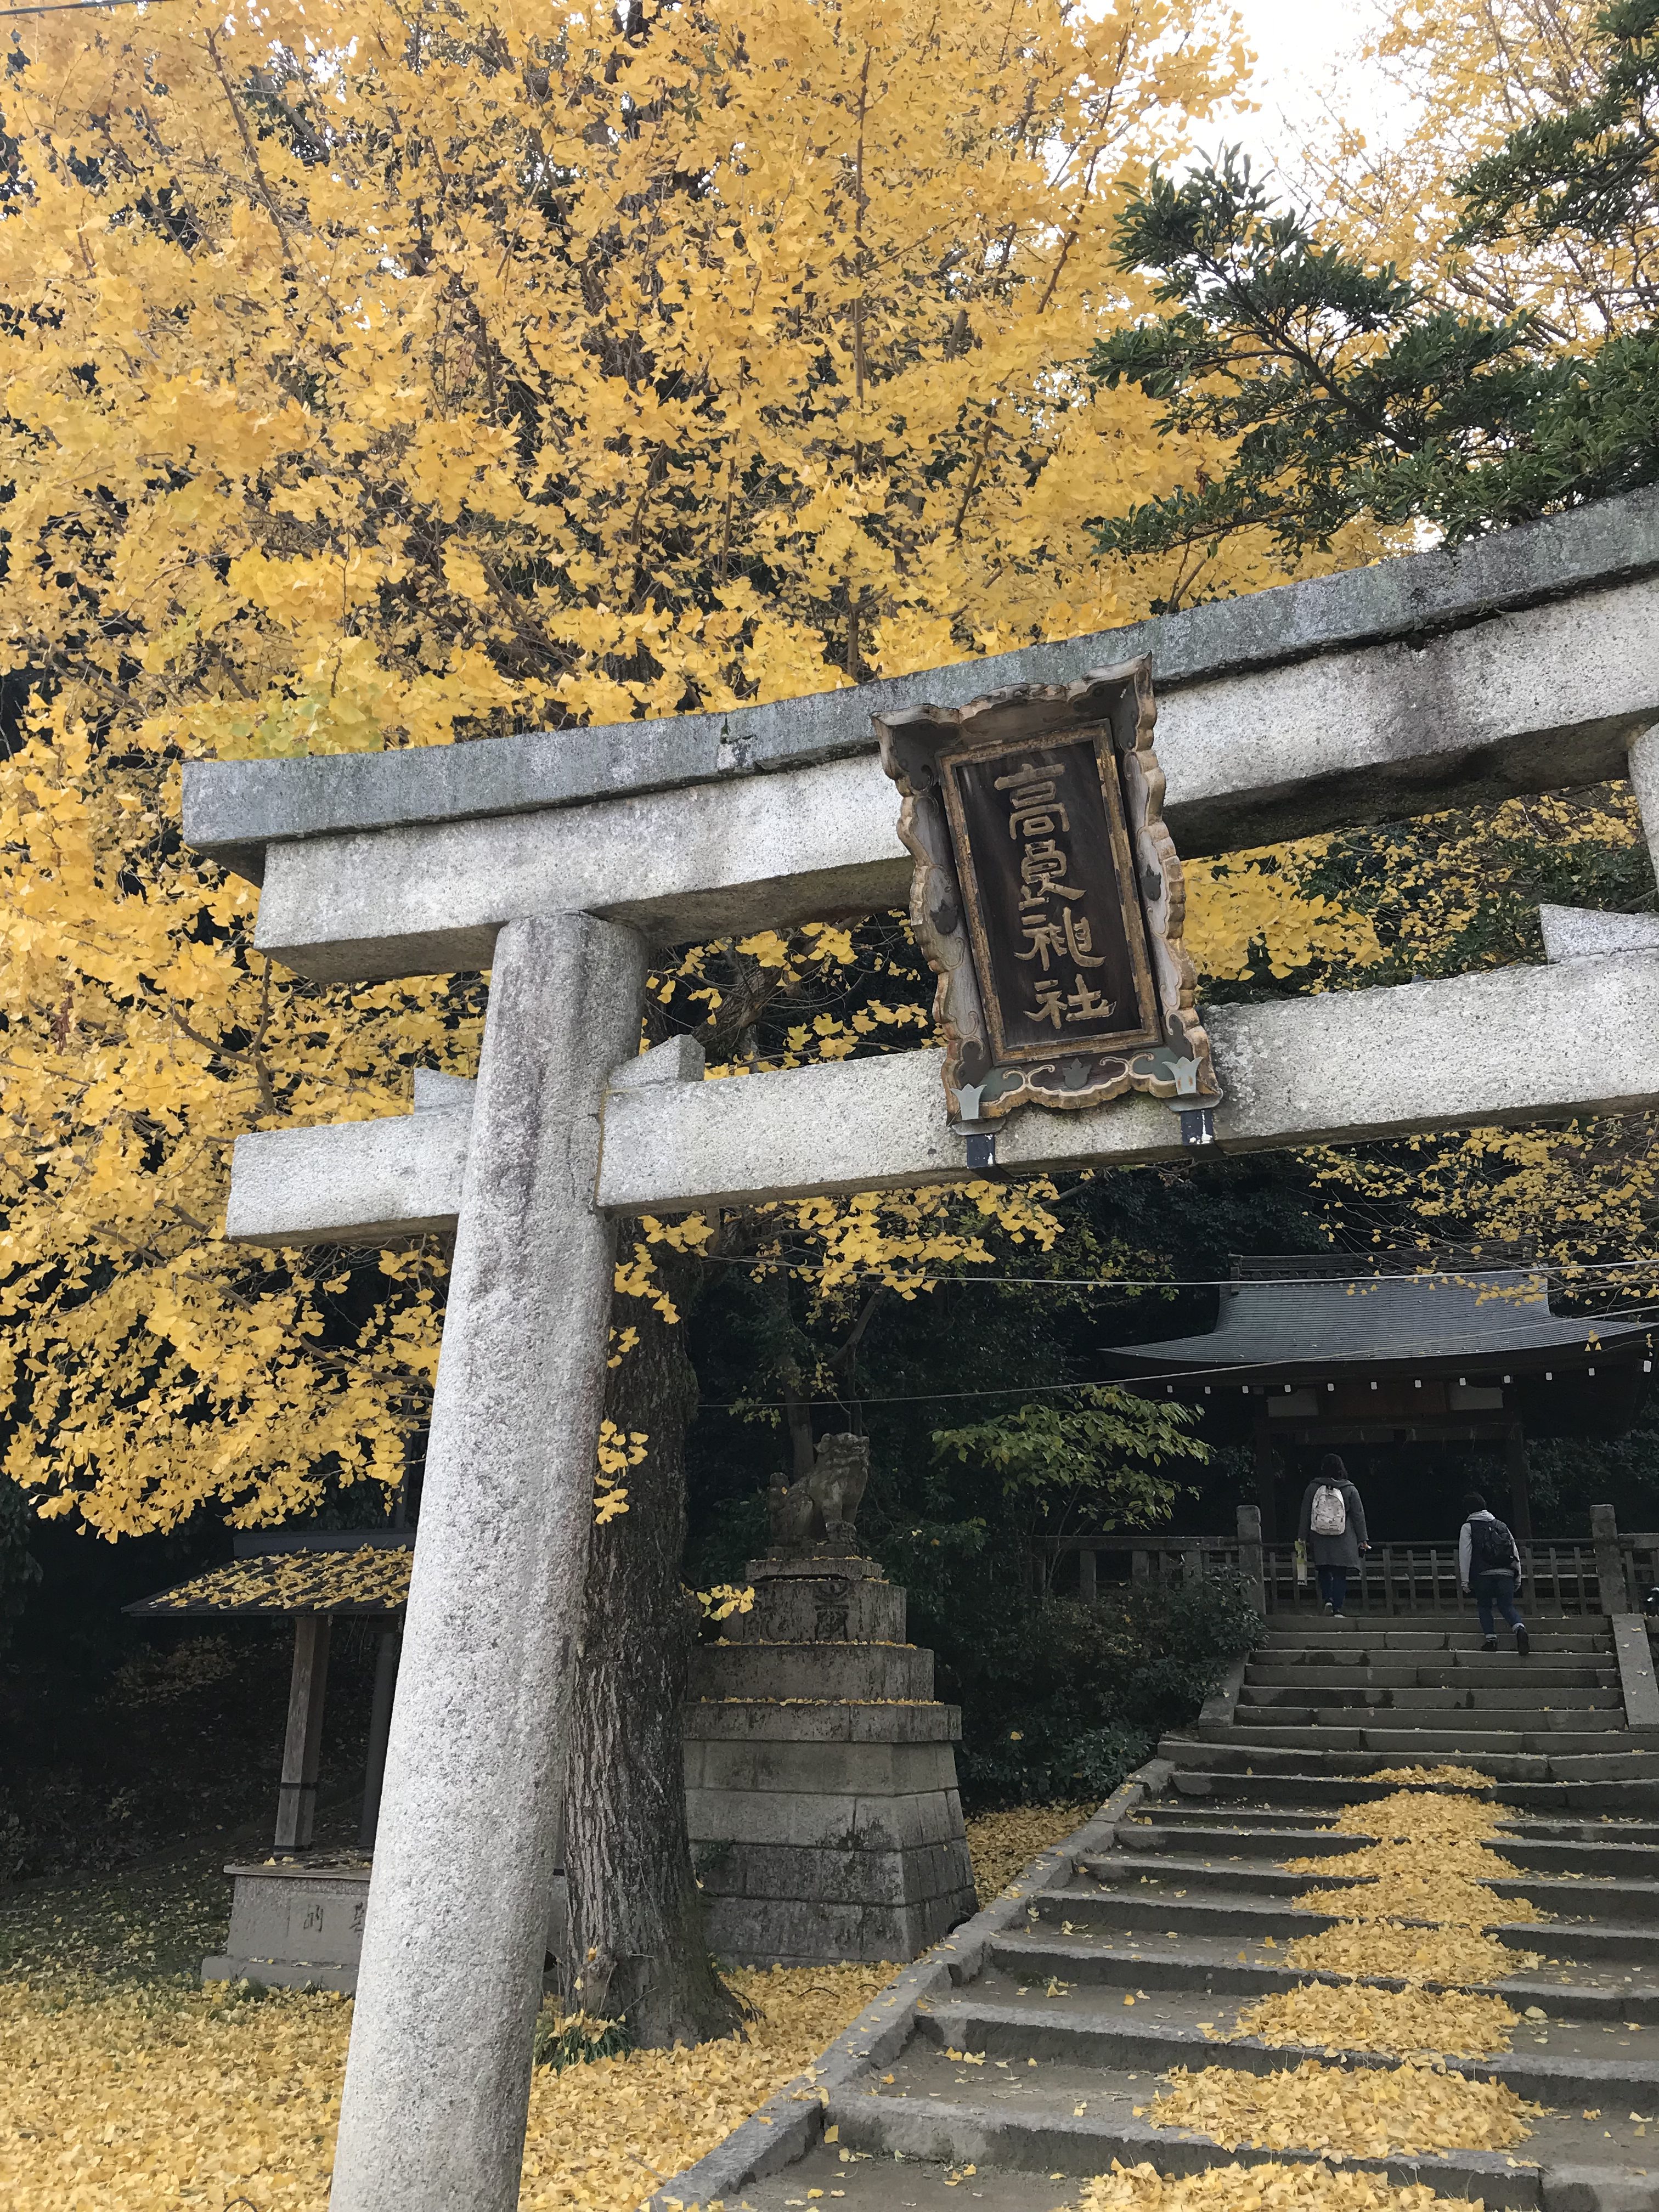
1327 1352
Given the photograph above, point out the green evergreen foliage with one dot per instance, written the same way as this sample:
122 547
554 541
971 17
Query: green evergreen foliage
1061 1700
1347 391
1591 170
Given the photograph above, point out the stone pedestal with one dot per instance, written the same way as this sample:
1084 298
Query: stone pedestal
294 1923
821 1783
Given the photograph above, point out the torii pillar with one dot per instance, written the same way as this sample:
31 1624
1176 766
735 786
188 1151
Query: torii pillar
437 2087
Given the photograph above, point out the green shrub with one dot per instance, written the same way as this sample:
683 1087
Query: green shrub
1062 1700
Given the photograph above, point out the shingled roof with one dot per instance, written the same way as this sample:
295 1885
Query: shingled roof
368 1580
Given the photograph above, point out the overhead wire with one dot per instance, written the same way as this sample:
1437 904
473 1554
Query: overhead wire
925 1279
1232 1369
71 7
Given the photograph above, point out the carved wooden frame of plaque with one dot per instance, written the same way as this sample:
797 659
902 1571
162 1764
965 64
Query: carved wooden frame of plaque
1167 1051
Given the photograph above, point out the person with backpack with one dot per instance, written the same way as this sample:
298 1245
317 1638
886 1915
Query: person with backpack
1334 1529
1489 1564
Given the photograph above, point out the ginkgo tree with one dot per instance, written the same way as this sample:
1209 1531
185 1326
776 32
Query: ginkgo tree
380 378
384 377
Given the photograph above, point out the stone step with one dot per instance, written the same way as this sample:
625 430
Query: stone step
1430 1747
1221 1841
1589 1856
1021 2032
1629 1897
860 1671
1165 1918
1248 1761
1618 1950
1110 1912
1450 1670
1552 1632
1186 1876
1509 1686
1157 1841
1040 1957
1269 1721
896 2126
1176 1812
1607 1829
1203 1792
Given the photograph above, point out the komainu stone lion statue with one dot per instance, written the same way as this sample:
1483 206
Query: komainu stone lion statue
822 1506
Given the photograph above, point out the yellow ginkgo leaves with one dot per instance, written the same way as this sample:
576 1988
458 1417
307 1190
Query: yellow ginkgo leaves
1432 1879
1402 2022
1305 2188
1368 2112
147 2099
1389 1950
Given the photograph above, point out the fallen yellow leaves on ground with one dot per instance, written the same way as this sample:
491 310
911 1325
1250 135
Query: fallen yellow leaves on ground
1383 1948
1364 2112
1000 1843
1435 1778
1403 2022
1409 1814
154 2098
1464 1858
1427 1879
124 2086
1252 2189
164 2100
607 2134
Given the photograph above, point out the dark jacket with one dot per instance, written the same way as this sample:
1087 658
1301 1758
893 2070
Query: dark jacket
1465 1551
1341 1551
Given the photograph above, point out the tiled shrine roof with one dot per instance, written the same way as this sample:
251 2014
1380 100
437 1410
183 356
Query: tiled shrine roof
372 1580
1502 1318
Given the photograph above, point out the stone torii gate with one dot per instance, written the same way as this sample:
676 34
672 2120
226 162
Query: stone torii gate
1525 662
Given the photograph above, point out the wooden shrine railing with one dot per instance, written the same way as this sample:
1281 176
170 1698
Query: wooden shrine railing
1556 1577
1608 1573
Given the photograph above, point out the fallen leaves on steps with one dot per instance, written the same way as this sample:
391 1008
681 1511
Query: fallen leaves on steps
1384 1949
1403 2022
1427 1877
1434 1777
1410 1814
1367 2113
1251 2189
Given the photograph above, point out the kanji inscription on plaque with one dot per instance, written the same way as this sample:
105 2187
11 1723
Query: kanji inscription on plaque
1048 898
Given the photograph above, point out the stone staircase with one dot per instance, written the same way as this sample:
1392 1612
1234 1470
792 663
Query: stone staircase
1338 1697
1036 2070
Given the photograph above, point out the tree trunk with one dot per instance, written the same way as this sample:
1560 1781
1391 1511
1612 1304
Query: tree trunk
637 1940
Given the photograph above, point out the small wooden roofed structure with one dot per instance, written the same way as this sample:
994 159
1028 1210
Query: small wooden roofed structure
315 1576
1330 1349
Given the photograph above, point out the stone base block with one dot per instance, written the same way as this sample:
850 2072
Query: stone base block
893 1672
295 1925
821 1777
820 1597
776 1931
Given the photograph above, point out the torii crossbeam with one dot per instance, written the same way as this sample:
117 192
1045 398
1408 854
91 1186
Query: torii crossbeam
1526 662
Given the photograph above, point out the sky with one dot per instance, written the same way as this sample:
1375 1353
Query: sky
1304 46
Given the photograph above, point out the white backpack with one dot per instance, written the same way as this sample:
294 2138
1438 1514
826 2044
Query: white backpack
1329 1516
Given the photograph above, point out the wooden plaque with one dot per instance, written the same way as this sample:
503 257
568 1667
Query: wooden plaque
1047 896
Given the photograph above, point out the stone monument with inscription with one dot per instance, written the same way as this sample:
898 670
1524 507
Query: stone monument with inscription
821 1780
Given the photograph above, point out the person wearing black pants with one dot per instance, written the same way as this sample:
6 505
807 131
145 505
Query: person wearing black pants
1489 1565
1331 1497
